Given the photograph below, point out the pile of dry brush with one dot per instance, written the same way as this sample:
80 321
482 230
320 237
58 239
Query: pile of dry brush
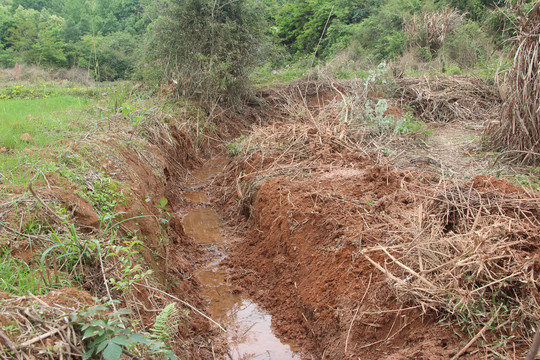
472 261
450 98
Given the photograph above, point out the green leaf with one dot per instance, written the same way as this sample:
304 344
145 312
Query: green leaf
163 202
91 332
102 345
112 352
88 354
121 311
121 341
139 338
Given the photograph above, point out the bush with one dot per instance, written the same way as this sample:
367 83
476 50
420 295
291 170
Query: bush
208 47
467 45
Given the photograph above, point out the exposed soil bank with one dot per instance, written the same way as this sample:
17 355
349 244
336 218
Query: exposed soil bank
305 251
336 244
303 259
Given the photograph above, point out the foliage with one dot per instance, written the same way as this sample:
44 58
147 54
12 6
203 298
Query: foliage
301 23
104 194
108 334
16 277
130 273
207 47
166 322
99 35
467 46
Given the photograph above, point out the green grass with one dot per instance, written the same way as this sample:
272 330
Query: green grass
46 120
16 277
265 76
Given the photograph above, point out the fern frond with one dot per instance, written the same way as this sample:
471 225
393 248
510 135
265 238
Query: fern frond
166 323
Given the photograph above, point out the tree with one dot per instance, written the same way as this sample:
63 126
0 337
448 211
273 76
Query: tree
301 23
49 46
208 46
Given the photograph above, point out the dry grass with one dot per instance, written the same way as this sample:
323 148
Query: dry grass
450 98
33 325
471 259
518 130
433 26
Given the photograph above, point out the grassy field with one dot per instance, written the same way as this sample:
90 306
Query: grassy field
38 120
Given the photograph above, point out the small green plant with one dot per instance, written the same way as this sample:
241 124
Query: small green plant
167 322
527 181
408 124
16 277
165 214
374 116
104 194
130 272
236 146
67 252
108 334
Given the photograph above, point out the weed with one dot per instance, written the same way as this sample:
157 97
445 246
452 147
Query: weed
109 334
67 252
167 322
528 181
130 273
374 117
104 194
236 146
16 277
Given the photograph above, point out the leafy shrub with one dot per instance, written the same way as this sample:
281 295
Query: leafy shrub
467 45
108 334
208 47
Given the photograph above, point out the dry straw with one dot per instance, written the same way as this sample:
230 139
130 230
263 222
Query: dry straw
450 98
472 262
518 131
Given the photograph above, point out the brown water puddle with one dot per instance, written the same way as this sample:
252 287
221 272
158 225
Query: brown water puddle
203 225
196 196
248 327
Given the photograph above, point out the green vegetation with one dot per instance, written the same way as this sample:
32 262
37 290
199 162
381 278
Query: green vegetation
50 134
45 120
33 120
102 36
109 333
16 276
210 47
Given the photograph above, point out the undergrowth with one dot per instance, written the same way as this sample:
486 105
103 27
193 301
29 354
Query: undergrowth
57 130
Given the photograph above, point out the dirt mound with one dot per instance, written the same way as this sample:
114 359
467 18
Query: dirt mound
335 253
306 249
355 258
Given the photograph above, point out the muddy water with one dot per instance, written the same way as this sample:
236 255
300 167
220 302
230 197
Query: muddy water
248 326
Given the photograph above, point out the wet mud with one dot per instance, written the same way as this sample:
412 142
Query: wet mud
249 327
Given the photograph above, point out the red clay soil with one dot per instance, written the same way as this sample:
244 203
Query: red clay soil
302 260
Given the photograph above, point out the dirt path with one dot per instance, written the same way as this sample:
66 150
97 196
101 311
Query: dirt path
453 151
